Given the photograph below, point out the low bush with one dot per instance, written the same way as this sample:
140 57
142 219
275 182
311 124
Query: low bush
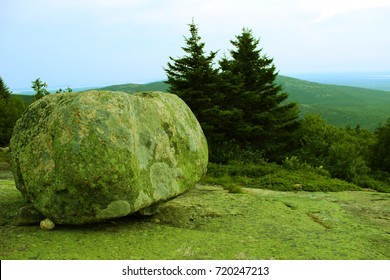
291 176
237 168
227 152
301 180
373 184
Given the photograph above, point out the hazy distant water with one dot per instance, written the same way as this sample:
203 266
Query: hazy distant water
379 81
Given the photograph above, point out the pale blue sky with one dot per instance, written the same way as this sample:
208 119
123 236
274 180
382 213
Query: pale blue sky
101 42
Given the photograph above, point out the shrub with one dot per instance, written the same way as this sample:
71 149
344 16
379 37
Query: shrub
229 151
235 169
343 152
292 177
373 184
380 158
293 163
304 181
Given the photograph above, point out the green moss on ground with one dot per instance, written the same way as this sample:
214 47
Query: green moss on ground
211 223
275 177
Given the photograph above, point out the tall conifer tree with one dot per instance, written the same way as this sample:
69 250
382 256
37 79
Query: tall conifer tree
193 78
4 90
267 120
11 109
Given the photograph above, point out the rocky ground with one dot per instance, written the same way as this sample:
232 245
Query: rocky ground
211 223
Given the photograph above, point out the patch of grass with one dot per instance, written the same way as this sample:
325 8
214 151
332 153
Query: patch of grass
4 160
227 182
274 177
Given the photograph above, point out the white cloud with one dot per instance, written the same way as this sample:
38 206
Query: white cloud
330 8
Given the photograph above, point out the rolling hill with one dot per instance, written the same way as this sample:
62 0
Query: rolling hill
338 105
132 88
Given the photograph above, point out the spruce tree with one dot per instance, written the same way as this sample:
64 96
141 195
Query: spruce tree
267 120
11 109
40 89
4 90
193 78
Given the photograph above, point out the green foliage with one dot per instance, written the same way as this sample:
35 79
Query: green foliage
370 182
245 169
291 176
239 103
11 108
380 158
342 152
304 181
263 119
27 99
227 182
328 159
68 89
4 90
295 164
193 78
231 151
40 89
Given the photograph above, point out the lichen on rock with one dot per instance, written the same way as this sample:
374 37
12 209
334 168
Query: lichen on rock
90 156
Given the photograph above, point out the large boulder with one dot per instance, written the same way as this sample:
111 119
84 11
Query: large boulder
96 155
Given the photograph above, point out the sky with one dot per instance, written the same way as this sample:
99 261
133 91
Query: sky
103 42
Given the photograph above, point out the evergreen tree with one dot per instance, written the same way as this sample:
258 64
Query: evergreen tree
68 89
193 78
11 109
267 120
40 89
4 90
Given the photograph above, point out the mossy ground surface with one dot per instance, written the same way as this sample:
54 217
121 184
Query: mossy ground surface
210 223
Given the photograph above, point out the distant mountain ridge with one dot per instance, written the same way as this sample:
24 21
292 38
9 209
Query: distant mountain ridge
338 105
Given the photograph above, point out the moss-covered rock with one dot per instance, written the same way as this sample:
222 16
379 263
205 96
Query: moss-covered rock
96 155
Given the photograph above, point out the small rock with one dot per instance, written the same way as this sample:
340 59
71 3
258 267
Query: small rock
47 224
